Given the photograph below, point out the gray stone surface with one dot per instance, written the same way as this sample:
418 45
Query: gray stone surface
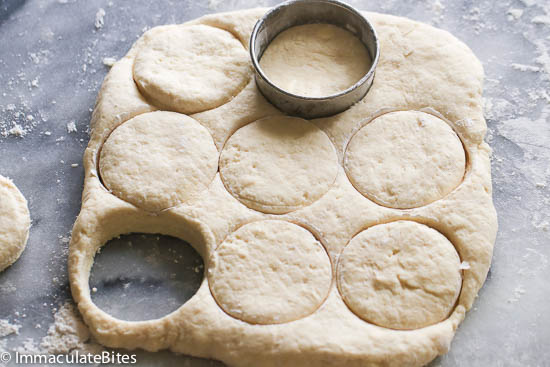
51 67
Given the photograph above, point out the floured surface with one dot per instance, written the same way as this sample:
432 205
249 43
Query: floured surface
514 112
264 303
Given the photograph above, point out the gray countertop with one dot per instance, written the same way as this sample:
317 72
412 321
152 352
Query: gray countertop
51 67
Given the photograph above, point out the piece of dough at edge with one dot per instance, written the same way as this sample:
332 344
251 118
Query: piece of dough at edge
15 222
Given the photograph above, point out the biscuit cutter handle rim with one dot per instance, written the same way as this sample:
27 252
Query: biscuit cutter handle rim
299 12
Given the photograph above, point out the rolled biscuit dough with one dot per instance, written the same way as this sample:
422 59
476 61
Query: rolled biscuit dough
190 69
421 69
270 272
15 222
319 59
158 159
268 164
405 159
400 275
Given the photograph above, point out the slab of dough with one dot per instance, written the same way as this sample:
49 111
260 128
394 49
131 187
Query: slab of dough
405 159
15 222
270 272
430 196
319 59
400 275
158 160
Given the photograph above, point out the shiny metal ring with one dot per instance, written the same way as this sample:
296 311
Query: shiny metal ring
298 12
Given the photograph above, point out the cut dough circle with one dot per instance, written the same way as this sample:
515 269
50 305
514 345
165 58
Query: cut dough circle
401 275
315 60
278 164
405 159
158 160
15 222
190 69
270 272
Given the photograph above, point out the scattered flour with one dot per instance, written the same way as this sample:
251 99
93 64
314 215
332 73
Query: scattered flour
437 8
7 287
522 67
71 127
16 130
541 19
6 328
514 14
68 333
109 61
518 292
99 18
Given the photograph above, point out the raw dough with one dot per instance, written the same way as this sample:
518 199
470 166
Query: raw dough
191 68
158 159
405 159
400 275
15 222
270 272
268 164
420 67
318 59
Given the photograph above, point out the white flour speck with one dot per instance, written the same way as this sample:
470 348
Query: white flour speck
99 18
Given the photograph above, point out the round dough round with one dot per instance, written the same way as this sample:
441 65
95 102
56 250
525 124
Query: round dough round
158 160
402 275
15 222
405 159
278 164
315 60
270 272
190 69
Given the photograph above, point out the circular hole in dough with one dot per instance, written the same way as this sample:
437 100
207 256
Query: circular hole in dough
278 164
405 159
15 222
315 60
190 69
158 160
270 272
401 275
139 277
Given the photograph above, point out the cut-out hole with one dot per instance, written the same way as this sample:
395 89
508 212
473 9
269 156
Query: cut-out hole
140 277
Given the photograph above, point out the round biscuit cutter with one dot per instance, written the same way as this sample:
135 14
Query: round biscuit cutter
298 12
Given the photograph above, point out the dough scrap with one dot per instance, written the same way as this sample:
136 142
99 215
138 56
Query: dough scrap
15 222
405 159
318 59
190 69
270 272
267 164
402 275
158 160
